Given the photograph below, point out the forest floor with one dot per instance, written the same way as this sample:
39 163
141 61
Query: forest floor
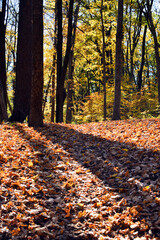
89 181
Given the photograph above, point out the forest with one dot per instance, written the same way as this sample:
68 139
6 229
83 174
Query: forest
97 60
79 120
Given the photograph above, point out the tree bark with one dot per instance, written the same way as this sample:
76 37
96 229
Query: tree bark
104 64
36 115
139 78
118 63
152 28
53 90
54 69
61 71
60 85
70 90
71 70
3 87
24 64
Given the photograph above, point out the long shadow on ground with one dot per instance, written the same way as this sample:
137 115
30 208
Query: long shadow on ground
128 173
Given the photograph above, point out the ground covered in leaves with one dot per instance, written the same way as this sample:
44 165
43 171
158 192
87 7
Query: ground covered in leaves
90 181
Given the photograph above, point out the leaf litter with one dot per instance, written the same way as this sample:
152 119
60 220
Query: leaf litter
89 181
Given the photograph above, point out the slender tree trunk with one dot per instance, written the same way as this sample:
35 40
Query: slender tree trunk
156 47
24 64
53 90
54 69
71 70
36 115
70 90
3 109
139 80
149 18
118 62
46 92
61 71
3 88
134 39
60 86
104 63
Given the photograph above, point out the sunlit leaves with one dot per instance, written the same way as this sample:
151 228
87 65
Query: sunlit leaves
95 181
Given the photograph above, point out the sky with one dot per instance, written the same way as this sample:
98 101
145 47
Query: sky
0 5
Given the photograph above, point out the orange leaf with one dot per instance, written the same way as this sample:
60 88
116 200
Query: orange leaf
79 170
30 164
81 214
16 231
80 205
68 209
146 189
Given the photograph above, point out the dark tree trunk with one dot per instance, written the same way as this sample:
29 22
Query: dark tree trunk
3 109
70 90
133 39
60 85
53 90
47 92
24 64
71 70
54 69
139 80
148 15
36 115
104 63
3 88
118 62
156 47
61 71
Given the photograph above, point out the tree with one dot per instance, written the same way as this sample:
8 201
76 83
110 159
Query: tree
36 114
103 60
118 62
148 15
139 77
3 88
70 83
133 31
60 84
62 70
54 69
23 64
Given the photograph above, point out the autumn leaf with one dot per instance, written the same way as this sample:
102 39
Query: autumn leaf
67 210
30 164
82 214
15 232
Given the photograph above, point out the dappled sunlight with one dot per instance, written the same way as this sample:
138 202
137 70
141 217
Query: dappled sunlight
88 181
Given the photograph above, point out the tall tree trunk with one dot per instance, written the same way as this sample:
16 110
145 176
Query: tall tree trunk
118 62
139 77
70 90
104 63
148 15
36 115
61 71
134 33
24 64
156 47
3 88
60 85
53 89
47 92
54 69
71 70
3 109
